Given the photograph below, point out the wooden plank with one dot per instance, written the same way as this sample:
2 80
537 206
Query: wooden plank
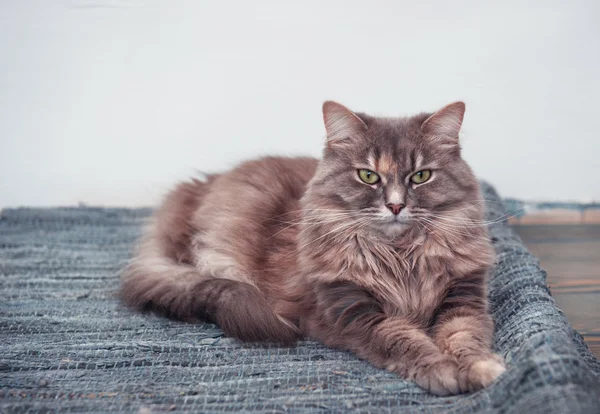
575 250
545 233
570 254
570 269
593 342
581 308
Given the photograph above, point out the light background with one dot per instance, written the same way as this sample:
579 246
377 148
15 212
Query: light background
110 102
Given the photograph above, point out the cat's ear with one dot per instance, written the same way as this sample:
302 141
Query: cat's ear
446 122
341 123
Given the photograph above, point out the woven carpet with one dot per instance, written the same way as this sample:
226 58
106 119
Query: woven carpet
67 345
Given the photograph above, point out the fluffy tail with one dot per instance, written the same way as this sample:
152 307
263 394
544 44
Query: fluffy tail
180 292
159 280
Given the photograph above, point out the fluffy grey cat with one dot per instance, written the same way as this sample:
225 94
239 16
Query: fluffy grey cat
379 248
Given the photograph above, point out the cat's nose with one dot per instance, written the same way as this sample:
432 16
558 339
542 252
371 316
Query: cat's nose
395 208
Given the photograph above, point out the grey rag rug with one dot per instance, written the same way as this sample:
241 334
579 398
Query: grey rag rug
67 345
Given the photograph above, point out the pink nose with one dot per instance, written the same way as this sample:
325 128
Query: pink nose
395 208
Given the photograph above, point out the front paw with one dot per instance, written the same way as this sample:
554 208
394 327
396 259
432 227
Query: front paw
440 376
480 372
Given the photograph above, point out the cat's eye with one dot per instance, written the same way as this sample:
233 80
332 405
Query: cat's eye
368 176
421 176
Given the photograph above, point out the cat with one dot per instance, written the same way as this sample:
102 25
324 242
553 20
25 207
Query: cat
379 248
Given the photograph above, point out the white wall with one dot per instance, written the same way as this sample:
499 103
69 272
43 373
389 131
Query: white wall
110 101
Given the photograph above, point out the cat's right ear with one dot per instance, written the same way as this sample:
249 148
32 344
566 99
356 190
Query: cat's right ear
341 124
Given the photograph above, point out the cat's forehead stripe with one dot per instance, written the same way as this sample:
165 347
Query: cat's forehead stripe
386 164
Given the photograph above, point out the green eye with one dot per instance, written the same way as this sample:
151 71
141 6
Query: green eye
421 176
368 176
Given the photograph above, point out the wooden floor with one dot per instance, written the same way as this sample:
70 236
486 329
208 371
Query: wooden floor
571 256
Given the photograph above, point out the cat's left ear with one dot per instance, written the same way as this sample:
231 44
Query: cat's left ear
446 122
342 125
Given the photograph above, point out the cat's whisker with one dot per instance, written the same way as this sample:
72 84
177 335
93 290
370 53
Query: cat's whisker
301 223
443 225
460 225
462 222
321 220
343 227
447 232
308 210
446 229
476 208
454 210
465 221
335 230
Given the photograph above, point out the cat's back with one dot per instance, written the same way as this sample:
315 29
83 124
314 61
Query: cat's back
272 174
249 213
266 182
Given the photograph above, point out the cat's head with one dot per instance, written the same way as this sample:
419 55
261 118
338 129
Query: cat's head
392 174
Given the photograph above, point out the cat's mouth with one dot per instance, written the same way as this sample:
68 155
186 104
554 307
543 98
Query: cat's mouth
400 219
395 225
399 224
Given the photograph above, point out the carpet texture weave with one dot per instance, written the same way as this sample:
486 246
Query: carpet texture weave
67 345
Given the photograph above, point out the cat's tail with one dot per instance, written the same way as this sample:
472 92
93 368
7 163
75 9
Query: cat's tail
161 278
181 292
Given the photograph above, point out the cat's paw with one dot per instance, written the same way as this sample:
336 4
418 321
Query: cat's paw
481 372
439 377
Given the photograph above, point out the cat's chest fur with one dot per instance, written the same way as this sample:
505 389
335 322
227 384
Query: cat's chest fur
409 279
